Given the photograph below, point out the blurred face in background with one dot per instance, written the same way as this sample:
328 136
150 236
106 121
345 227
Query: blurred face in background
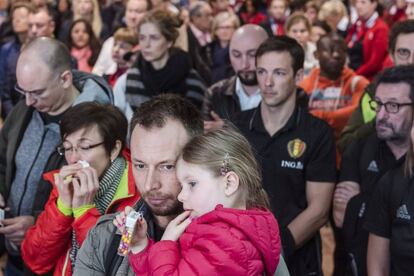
277 9
316 33
365 8
40 24
220 5
120 49
84 7
409 11
20 20
299 32
135 11
79 35
312 14
225 30
203 20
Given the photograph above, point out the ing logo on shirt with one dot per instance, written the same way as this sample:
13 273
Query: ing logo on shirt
296 148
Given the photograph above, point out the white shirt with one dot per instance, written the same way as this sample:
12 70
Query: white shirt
246 101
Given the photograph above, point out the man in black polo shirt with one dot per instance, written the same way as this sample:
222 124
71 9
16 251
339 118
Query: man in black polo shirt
296 151
365 161
389 215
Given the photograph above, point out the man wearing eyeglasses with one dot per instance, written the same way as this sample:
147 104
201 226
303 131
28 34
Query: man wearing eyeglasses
30 134
401 51
365 161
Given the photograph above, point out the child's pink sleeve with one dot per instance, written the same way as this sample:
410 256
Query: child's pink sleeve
139 261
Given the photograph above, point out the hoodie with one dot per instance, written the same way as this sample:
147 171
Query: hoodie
334 101
222 242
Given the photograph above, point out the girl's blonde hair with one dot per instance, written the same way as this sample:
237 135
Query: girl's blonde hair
332 8
221 17
224 150
96 22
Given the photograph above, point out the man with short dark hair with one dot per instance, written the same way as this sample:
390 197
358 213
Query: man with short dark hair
159 130
365 161
296 151
41 23
388 217
30 134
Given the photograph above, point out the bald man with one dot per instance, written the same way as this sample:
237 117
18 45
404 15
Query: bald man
240 92
30 134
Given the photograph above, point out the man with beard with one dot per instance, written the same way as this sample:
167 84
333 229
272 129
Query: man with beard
159 130
334 89
368 159
296 151
241 92
401 52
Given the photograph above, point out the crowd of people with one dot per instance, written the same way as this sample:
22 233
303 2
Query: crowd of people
237 128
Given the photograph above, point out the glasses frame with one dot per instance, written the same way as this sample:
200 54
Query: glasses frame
62 151
376 106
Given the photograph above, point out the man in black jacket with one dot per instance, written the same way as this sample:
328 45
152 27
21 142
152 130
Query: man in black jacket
241 92
30 134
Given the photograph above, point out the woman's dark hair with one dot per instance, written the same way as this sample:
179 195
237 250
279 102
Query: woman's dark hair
110 121
323 25
94 43
403 27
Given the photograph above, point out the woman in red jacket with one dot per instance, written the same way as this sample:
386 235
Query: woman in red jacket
226 228
97 180
367 40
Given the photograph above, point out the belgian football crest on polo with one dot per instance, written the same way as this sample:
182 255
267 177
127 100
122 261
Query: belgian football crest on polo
295 148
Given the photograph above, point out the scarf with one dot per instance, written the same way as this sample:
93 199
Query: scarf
145 81
107 188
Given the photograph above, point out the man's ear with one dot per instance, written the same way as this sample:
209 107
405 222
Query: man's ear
66 78
299 76
231 183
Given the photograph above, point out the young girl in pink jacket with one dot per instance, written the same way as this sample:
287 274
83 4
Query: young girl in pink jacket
226 228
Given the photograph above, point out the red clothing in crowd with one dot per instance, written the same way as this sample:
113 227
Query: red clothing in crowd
222 242
48 243
374 43
255 18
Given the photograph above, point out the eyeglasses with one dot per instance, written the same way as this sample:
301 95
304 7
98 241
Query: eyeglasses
35 93
403 53
390 107
81 149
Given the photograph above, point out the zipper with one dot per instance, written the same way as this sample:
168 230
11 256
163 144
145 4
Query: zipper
28 174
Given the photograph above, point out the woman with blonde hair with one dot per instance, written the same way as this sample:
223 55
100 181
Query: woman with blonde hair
334 13
89 11
298 27
223 27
